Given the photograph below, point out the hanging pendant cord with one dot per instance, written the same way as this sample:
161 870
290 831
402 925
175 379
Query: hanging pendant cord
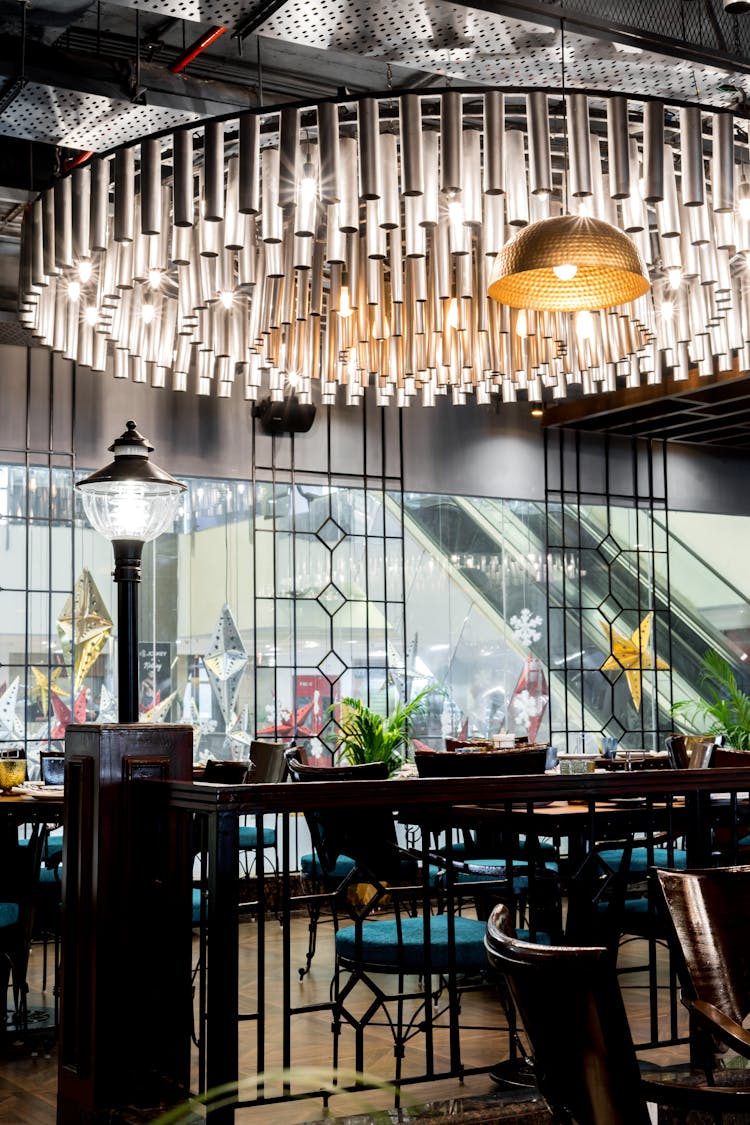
563 88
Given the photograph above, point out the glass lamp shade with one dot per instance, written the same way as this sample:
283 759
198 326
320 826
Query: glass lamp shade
130 509
131 498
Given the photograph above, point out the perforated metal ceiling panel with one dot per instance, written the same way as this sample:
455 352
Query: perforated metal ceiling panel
223 12
84 121
469 46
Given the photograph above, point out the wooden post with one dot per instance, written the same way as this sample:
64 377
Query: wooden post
126 1009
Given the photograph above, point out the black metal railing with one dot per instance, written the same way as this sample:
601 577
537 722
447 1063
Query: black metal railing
701 815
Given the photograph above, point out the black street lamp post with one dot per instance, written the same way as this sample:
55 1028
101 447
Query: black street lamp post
130 502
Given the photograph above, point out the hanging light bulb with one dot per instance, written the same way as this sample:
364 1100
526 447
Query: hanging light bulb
456 211
85 270
522 324
674 277
154 278
584 324
451 319
566 271
74 290
743 200
91 315
345 307
308 185
667 310
147 313
226 296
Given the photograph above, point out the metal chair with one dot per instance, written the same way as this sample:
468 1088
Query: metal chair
268 767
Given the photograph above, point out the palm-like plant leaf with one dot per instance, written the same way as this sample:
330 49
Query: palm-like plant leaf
369 737
726 708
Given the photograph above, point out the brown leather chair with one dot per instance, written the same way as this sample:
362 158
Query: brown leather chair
572 1011
268 761
707 916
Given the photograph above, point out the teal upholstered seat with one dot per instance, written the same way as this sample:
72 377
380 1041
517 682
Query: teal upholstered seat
640 860
310 866
249 837
380 945
8 914
196 906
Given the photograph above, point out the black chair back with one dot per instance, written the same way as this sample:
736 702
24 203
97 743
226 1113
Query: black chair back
573 1014
366 835
219 772
491 763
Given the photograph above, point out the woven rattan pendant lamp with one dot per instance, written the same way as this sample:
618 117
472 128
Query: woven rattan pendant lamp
568 262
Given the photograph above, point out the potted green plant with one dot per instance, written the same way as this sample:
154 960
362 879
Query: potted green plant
726 710
367 736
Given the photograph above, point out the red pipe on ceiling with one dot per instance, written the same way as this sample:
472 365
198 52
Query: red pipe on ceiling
74 161
200 45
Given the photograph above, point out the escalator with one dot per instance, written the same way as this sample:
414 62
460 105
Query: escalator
510 555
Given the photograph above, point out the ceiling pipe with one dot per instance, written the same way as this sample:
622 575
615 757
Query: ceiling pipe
196 49
73 161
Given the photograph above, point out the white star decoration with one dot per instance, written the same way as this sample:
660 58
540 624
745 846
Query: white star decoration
10 724
225 662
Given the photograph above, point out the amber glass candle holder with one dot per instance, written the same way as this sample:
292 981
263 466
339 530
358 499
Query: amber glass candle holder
12 773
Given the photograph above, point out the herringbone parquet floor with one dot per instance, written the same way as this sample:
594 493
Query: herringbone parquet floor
28 1072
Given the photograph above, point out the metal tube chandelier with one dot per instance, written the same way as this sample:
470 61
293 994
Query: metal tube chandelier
350 244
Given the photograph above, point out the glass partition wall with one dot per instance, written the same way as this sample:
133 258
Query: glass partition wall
277 596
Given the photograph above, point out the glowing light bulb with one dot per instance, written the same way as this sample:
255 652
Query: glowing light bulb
147 313
226 296
744 208
566 271
91 315
451 319
584 324
85 270
522 324
667 310
456 211
154 278
74 290
293 378
584 209
674 277
308 185
345 306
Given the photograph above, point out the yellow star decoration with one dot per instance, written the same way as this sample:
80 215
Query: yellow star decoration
45 685
632 654
85 617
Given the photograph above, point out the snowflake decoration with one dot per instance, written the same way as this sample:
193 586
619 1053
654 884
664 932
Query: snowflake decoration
527 707
524 627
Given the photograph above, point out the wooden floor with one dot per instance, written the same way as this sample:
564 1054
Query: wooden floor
28 1079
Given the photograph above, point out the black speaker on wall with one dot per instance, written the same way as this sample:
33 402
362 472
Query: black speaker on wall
286 417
